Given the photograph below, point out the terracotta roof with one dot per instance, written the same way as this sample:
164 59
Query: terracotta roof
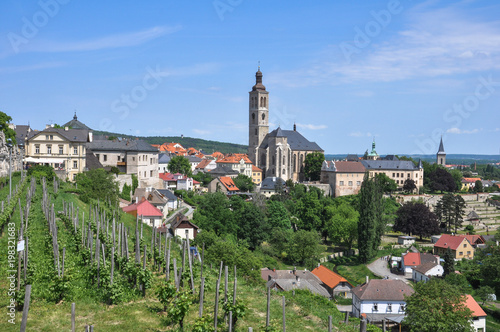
217 155
203 163
412 259
451 241
228 183
328 277
474 239
471 180
143 208
256 169
235 158
470 303
166 176
383 290
173 148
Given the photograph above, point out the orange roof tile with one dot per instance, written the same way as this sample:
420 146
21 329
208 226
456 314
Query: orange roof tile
143 208
470 303
235 158
471 180
256 169
203 163
228 183
217 155
474 239
412 259
328 277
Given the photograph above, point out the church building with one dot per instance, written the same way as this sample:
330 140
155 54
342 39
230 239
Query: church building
279 153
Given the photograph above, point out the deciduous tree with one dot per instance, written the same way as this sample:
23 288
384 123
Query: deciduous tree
409 185
179 164
342 226
449 210
312 165
415 218
442 180
244 183
437 306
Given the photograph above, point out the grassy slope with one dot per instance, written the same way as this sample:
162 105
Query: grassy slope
303 312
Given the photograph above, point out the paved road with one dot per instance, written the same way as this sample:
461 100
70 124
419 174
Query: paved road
379 268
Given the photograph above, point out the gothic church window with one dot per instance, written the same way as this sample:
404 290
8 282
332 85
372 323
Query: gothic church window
255 131
263 116
253 117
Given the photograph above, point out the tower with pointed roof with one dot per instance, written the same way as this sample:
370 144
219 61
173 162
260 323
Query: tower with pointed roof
441 155
258 117
373 155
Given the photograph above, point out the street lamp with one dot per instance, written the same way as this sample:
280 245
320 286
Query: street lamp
9 145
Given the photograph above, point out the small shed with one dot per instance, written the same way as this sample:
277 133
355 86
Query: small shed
182 226
406 240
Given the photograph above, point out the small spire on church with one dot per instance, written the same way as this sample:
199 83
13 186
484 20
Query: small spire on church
74 116
294 127
259 65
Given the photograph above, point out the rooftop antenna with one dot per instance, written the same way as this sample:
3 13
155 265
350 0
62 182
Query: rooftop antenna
259 64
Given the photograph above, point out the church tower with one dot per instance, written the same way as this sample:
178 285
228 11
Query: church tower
258 120
441 155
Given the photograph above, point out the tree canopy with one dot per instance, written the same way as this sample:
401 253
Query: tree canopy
97 184
449 210
244 183
386 183
4 126
342 224
179 164
312 165
415 218
441 180
437 306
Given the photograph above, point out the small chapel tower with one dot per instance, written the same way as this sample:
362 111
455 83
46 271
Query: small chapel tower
441 155
258 117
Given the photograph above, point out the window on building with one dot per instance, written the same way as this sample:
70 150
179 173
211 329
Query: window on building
133 158
468 253
49 149
37 149
341 183
75 164
402 307
350 183
60 149
75 150
151 174
47 137
393 175
465 245
375 307
263 116
408 174
389 307
105 157
397 175
51 137
74 177
358 183
460 253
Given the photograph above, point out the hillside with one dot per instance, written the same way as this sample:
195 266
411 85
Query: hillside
84 274
206 146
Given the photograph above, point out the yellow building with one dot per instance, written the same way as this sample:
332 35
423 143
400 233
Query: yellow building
459 246
256 175
61 148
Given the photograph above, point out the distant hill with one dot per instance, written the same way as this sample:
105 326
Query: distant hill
451 159
208 147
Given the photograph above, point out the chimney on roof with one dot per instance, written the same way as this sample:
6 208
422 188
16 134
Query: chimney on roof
66 128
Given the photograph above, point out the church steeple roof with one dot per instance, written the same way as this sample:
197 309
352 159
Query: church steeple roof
258 82
441 147
76 124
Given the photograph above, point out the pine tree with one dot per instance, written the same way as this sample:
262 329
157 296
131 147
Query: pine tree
449 263
370 226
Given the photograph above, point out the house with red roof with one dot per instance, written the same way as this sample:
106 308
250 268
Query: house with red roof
223 184
469 183
205 165
335 283
412 260
146 211
478 314
458 244
178 181
256 175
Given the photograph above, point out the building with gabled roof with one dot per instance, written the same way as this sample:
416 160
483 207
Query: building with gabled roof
478 315
223 184
380 299
146 211
335 283
256 175
287 280
205 165
425 271
344 177
459 246
279 153
183 227
238 162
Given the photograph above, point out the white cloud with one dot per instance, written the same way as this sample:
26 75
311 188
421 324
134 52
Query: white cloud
106 42
456 130
311 126
434 43
360 134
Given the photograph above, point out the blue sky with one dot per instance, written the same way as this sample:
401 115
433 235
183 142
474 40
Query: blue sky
402 72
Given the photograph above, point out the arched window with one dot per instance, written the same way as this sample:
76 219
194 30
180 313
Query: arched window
263 116
253 117
261 101
295 163
265 101
274 160
263 159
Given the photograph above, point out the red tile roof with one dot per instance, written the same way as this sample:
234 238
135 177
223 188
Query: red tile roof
470 303
166 176
348 166
256 169
451 241
474 239
203 163
412 259
228 183
235 158
143 208
328 277
217 155
471 180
